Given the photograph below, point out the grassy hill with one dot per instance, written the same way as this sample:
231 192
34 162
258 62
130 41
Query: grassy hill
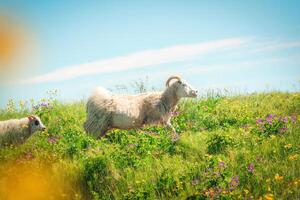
238 147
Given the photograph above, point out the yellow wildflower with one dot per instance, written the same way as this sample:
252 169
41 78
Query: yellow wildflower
293 157
273 137
288 146
269 197
246 191
278 178
269 188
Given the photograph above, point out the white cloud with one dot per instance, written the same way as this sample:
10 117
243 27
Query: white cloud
236 65
276 45
136 60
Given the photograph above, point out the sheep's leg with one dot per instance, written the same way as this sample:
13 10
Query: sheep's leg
169 125
175 136
103 133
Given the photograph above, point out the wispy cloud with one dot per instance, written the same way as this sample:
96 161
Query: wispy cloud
137 60
276 45
239 65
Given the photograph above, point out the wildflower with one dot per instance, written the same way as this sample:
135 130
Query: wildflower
195 181
270 118
282 130
259 158
246 126
53 139
175 113
29 155
132 145
269 196
219 190
273 137
288 146
269 188
259 121
293 157
217 174
294 118
251 168
234 182
42 104
278 178
221 164
285 119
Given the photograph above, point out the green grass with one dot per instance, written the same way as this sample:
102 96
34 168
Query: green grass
220 138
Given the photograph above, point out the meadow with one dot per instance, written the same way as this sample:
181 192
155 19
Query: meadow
230 147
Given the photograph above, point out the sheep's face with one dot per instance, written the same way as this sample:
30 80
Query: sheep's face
36 124
185 90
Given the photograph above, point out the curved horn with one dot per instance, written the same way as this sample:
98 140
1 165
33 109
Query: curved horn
171 78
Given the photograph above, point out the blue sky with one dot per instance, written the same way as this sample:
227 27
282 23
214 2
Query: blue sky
243 45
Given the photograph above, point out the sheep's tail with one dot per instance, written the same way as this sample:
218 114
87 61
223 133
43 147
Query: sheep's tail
99 116
97 126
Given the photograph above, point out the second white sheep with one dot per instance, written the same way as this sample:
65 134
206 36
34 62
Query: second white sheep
17 131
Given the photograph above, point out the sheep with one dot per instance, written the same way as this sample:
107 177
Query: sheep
106 110
17 131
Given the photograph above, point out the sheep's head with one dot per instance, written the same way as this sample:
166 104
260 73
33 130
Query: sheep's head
35 124
183 89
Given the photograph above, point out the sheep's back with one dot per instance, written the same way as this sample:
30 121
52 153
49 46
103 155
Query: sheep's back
8 126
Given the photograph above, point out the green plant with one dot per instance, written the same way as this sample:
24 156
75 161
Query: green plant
219 143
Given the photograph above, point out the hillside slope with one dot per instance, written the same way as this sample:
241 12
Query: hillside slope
240 147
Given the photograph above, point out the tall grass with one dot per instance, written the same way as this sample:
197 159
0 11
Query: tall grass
230 147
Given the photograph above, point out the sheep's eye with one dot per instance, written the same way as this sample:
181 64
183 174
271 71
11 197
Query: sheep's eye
36 123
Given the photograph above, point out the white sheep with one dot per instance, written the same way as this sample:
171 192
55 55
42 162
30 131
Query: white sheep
106 110
16 131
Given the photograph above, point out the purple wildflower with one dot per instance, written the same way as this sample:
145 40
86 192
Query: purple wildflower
43 104
234 182
294 118
219 190
217 174
52 139
251 168
221 164
285 119
246 126
283 130
259 121
270 118
175 113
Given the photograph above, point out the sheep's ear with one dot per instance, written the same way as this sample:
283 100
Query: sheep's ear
31 118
